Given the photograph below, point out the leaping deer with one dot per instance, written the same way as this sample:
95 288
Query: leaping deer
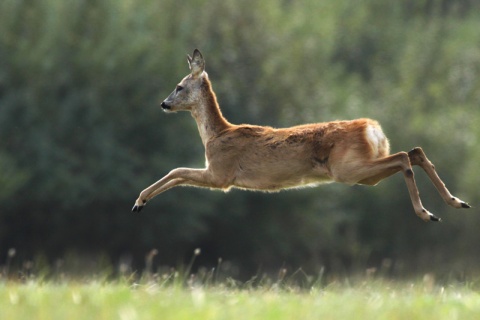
268 159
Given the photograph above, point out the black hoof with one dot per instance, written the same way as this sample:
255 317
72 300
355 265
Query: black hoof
137 208
465 205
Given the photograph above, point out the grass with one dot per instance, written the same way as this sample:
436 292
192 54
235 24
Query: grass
372 299
37 291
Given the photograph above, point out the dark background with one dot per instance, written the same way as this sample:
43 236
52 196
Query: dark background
81 131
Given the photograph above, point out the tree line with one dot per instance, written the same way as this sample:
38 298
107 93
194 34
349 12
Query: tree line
81 131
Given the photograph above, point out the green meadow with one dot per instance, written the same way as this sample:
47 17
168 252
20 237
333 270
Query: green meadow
366 299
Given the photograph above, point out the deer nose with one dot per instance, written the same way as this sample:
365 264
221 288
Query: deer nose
165 106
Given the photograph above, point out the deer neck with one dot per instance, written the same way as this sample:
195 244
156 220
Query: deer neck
208 116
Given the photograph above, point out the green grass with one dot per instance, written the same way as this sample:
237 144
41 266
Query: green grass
116 300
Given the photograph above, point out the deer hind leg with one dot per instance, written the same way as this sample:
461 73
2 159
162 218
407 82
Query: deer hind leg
376 170
176 177
418 157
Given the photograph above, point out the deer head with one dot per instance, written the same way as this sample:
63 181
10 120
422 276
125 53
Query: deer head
189 91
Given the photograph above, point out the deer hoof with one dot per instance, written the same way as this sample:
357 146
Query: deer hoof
428 216
457 203
137 208
465 205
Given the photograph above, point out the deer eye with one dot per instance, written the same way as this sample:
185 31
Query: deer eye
179 88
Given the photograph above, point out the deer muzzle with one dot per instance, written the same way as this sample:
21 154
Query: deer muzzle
165 106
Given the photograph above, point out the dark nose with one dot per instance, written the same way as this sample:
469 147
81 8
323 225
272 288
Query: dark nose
164 105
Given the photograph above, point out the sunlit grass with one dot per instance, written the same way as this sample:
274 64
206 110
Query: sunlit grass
209 294
368 299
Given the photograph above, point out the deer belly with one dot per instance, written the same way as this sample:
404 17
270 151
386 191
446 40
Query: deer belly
272 179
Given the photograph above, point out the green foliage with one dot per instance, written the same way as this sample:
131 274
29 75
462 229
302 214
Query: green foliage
82 134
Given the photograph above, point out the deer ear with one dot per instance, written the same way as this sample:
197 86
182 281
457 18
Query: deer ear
189 60
196 63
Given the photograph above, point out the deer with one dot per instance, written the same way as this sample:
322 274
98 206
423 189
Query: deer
263 158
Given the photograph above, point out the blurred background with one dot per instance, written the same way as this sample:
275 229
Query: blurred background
82 133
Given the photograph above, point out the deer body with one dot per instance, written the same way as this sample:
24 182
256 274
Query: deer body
263 158
268 159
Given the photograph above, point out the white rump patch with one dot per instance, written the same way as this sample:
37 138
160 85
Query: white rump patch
377 139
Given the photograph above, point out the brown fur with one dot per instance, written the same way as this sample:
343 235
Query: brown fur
268 159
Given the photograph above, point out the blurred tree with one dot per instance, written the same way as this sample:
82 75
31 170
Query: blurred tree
82 134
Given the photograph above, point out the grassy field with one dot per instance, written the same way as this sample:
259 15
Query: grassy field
371 299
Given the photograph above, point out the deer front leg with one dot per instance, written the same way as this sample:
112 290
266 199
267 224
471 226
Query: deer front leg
176 177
